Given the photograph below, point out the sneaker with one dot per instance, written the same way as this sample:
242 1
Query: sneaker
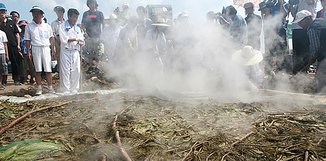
90 70
51 91
38 92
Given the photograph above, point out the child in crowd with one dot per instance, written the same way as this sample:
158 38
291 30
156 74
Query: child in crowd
27 67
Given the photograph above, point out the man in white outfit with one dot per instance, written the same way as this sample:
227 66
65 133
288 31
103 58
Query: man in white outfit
40 36
71 39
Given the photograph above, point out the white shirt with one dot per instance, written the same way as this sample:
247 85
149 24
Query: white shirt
3 38
255 73
110 37
154 40
19 29
55 25
39 35
65 35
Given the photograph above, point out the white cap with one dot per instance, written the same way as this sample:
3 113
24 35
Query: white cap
301 15
125 5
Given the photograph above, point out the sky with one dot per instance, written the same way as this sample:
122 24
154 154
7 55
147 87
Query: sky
197 8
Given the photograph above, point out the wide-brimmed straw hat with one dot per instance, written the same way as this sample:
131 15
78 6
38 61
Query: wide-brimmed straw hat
247 56
161 22
112 17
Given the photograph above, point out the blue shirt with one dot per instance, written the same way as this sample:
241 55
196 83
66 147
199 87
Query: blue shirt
23 44
239 23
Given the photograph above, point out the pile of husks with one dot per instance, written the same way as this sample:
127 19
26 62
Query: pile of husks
125 126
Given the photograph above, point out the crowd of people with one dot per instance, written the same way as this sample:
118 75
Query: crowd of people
147 49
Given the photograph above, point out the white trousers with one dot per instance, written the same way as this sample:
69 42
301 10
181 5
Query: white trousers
69 70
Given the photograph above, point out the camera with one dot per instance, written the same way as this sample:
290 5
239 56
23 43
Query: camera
117 10
218 15
8 16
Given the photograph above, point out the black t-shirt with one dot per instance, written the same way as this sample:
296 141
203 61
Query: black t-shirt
93 21
10 29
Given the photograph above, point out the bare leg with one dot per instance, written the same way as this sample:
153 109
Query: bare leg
1 78
97 60
38 78
90 61
49 78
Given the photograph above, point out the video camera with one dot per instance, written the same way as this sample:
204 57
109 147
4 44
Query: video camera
8 16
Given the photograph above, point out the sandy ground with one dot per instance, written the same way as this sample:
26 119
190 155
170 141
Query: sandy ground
10 87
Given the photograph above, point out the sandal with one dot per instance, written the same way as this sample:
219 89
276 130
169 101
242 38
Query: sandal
2 87
31 82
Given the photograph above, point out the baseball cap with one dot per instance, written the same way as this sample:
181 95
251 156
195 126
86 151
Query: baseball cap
2 6
262 5
36 8
301 15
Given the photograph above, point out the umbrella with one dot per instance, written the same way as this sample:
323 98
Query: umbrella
242 2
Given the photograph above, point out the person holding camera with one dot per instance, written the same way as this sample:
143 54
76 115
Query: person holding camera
11 30
300 38
237 27
124 15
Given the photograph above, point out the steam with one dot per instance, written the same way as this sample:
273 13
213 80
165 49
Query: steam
204 65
